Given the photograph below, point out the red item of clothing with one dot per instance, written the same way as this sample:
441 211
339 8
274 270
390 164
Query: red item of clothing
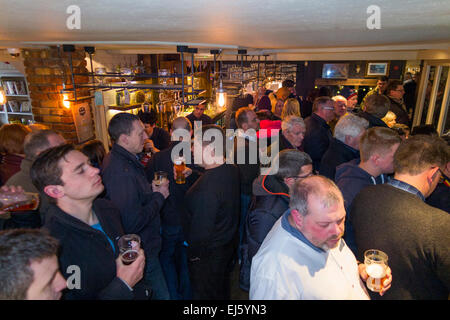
272 126
9 166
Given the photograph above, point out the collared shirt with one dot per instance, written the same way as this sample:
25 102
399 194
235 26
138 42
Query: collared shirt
406 187
296 233
287 266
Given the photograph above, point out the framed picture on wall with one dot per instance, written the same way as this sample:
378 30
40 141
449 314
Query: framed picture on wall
375 69
335 71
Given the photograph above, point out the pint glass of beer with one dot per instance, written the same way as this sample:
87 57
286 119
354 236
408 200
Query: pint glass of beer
376 265
129 246
18 201
160 177
180 166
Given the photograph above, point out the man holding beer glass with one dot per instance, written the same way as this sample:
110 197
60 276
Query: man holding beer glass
303 257
173 254
86 228
139 200
394 218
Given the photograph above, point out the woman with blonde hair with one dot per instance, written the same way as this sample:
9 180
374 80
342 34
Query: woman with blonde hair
291 107
389 119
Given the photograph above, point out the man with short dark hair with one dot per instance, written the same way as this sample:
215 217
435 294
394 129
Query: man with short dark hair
29 266
173 256
198 115
211 221
87 228
159 138
394 218
318 134
303 257
139 201
271 200
290 84
395 92
345 144
380 89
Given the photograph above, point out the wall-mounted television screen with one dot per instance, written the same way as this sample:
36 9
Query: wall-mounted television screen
335 71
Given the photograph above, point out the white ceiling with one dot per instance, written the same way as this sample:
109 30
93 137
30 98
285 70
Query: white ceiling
261 26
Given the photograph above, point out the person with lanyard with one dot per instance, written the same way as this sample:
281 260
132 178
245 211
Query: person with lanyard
395 219
87 228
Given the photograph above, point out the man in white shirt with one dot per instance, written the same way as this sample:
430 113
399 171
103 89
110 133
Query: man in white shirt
303 256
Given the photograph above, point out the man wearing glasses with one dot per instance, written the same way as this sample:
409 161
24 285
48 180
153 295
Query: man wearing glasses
395 94
318 134
271 199
394 218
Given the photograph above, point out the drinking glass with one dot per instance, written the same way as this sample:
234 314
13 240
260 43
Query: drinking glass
180 166
376 265
129 246
160 177
18 201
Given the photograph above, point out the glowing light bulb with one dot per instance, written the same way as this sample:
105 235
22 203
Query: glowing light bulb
66 101
221 100
2 97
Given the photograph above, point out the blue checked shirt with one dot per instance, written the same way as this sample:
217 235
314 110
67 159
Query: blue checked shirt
406 187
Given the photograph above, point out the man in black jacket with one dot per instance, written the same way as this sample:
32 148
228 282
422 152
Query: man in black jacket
395 93
318 135
173 256
87 229
376 107
271 200
211 221
139 201
159 138
345 144
292 133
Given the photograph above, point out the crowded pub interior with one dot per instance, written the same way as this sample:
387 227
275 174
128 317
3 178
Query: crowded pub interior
224 150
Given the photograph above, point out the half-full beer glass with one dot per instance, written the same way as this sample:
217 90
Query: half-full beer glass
376 265
18 201
129 246
160 177
180 166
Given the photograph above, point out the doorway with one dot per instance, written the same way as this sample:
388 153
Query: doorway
433 96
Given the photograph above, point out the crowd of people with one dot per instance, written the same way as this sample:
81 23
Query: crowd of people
348 179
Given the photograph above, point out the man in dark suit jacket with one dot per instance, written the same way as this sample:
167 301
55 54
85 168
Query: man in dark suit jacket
318 135
345 144
395 219
138 200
